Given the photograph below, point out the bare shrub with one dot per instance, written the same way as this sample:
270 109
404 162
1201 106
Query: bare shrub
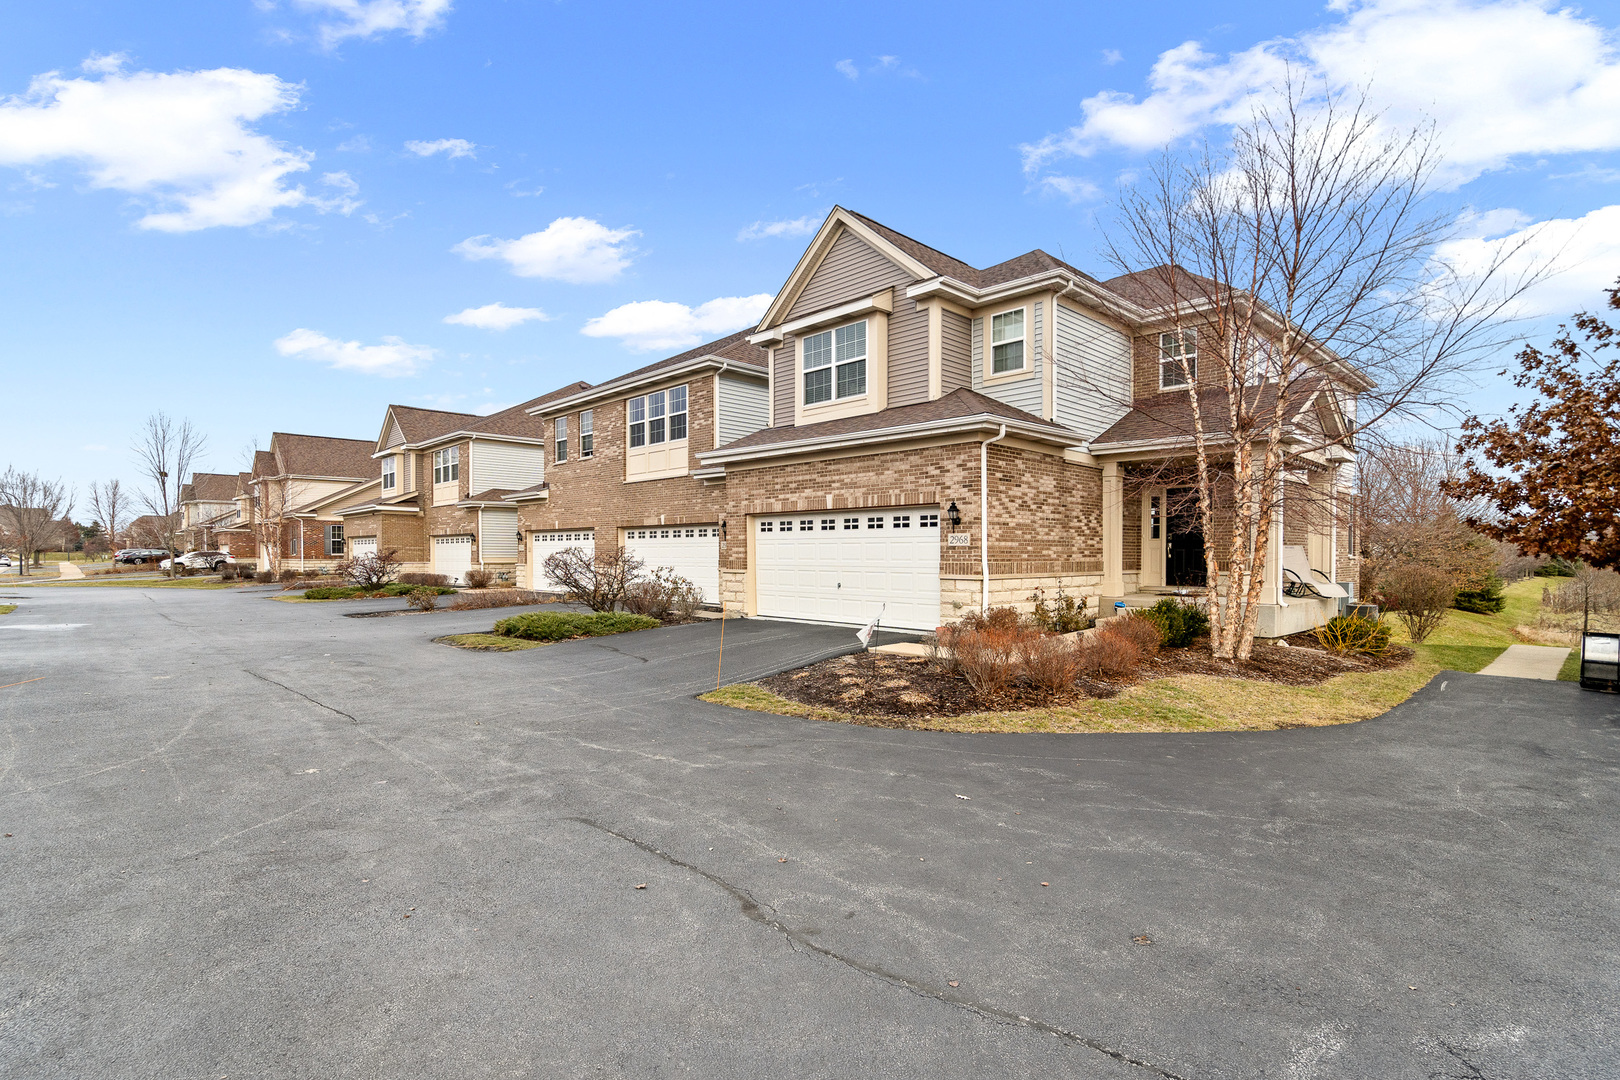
663 594
492 598
372 570
480 578
1063 614
1050 662
1108 655
264 577
1597 591
986 659
424 579
1419 595
422 599
599 582
999 619
1143 633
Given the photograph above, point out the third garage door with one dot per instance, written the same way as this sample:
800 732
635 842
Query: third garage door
548 543
843 566
692 551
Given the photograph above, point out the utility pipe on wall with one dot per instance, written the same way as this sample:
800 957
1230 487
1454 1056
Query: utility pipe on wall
984 515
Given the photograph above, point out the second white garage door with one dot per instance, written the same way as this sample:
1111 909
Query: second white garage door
692 551
844 566
362 545
549 543
452 557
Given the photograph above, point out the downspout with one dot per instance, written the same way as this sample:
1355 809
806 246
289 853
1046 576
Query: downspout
984 515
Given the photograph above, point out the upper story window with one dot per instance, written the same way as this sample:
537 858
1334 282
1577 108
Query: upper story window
658 417
560 425
447 465
1007 341
835 363
1178 359
389 478
586 442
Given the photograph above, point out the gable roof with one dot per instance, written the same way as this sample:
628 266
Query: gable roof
961 409
264 464
209 487
733 347
419 424
320 455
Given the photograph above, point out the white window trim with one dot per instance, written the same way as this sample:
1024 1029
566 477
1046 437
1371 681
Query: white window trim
559 442
990 375
866 358
587 436
448 460
390 473
1166 359
669 414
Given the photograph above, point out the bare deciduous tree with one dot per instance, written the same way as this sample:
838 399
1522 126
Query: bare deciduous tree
31 508
110 505
1407 518
1305 258
598 581
166 452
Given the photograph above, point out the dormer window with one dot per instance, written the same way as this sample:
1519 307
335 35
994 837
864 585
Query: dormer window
1007 341
388 474
1178 359
835 364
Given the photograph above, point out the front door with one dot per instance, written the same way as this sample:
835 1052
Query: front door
1184 538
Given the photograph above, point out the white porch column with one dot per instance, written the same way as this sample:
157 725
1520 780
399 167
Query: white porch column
1113 530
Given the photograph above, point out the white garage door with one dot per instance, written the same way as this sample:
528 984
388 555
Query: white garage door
692 551
548 543
362 545
452 557
844 566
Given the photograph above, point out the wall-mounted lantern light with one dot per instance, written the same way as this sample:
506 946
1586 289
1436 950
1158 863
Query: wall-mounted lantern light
520 536
953 514
722 528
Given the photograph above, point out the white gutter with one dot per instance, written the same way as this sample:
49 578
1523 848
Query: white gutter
1041 431
984 515
625 383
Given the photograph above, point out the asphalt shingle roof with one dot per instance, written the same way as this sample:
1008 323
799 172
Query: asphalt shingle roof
319 455
210 487
1168 415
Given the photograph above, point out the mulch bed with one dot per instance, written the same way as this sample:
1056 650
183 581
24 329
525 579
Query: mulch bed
892 690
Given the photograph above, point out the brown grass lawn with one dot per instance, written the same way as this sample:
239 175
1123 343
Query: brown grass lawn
1465 642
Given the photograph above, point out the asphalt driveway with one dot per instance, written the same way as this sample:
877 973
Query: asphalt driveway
252 839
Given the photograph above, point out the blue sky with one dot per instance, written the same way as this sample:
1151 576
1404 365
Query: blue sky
259 214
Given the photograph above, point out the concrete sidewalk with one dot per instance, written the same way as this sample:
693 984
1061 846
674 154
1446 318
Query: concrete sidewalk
1528 662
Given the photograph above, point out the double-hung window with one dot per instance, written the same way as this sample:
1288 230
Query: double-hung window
658 417
388 475
835 364
1007 341
561 427
334 540
586 445
447 465
1178 359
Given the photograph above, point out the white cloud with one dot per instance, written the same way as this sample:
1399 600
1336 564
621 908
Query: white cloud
1112 56
880 64
572 249
452 147
1583 252
847 69
659 324
1501 79
1076 189
763 230
393 357
368 18
181 141
344 202
496 316
104 63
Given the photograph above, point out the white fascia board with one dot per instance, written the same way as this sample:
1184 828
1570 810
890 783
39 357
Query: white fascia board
716 473
456 436
527 496
881 301
1175 442
953 425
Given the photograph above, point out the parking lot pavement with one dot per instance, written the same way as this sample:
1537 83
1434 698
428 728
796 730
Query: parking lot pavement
263 839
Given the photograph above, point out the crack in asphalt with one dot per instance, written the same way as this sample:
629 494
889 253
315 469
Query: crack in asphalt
300 693
753 910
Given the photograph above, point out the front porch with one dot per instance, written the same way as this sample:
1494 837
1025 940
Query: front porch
1153 544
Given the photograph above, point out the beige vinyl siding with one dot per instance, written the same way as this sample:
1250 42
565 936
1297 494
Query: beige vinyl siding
742 408
395 435
851 269
497 535
956 349
784 373
908 353
504 465
1093 372
1028 392
407 472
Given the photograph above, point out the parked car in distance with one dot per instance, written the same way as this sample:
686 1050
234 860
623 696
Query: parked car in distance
5 562
134 556
203 560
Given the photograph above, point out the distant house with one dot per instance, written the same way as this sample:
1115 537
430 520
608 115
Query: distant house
294 492
208 514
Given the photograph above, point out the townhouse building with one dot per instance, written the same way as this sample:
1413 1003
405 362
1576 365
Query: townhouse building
208 513
293 494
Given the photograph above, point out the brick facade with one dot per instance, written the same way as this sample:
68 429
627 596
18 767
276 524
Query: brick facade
591 493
